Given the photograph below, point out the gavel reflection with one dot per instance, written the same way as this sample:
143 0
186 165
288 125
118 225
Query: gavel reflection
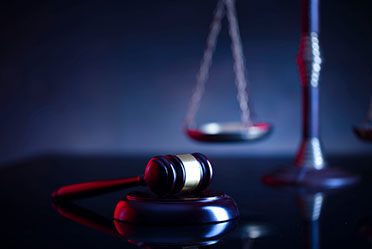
164 175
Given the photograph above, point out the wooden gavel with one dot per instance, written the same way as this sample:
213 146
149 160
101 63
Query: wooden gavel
171 174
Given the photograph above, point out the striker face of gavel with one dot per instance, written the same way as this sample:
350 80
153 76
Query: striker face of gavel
174 174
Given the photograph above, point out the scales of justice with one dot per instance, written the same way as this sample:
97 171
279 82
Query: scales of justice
310 167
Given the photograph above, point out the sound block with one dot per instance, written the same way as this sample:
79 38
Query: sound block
144 207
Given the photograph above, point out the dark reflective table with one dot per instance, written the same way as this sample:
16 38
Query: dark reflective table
270 217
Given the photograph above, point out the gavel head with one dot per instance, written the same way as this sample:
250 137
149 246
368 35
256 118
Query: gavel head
174 174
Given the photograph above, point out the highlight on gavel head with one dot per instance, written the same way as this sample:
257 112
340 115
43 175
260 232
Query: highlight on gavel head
174 174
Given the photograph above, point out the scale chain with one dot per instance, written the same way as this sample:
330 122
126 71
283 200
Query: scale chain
205 63
239 67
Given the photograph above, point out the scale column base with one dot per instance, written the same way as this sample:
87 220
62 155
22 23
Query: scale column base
326 178
310 169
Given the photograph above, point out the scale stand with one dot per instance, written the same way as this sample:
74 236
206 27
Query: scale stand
246 130
310 167
364 131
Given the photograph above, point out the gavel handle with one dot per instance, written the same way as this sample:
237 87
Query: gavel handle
88 189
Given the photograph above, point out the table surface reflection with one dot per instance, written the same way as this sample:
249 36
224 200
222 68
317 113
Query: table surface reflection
270 217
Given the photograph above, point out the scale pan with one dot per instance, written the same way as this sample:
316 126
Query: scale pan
229 132
364 132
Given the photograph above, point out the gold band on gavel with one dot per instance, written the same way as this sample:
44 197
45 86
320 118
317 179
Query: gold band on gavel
193 171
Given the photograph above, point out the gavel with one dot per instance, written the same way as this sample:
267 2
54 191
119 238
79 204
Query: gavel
164 175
